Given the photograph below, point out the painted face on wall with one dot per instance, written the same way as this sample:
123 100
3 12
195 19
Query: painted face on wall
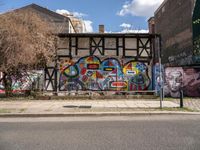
174 80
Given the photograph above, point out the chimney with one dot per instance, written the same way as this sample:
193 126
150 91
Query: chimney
151 22
101 28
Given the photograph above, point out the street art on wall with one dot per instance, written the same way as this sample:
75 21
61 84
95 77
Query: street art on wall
23 83
1 83
136 75
158 72
191 82
90 73
173 81
186 78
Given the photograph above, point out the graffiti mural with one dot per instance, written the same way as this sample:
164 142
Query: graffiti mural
1 83
173 81
136 75
23 83
186 78
112 76
157 75
191 82
90 73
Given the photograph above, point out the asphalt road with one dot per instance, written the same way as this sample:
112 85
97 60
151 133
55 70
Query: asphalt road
101 133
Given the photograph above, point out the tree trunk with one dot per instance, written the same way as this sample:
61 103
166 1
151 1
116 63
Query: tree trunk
7 81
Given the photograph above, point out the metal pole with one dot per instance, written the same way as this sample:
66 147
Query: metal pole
160 65
56 68
181 98
161 98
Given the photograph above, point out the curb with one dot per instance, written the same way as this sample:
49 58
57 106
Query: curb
91 114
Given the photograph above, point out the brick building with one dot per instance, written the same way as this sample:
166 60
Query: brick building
178 22
60 23
173 20
196 32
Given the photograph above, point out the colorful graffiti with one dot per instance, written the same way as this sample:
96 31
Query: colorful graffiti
158 77
23 83
90 73
188 79
191 82
173 81
136 74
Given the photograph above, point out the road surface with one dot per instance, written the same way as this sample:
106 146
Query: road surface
101 133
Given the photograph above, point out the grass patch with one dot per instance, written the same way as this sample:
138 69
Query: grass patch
178 99
184 109
22 110
2 111
16 98
48 110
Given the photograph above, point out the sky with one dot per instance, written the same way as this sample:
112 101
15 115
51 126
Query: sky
116 15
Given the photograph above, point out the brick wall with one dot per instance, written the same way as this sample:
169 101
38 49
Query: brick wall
173 20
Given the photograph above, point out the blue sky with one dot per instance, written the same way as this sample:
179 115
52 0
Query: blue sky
130 14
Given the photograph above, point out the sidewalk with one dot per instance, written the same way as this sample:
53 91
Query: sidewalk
39 108
191 103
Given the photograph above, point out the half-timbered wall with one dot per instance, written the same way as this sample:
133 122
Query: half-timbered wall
104 62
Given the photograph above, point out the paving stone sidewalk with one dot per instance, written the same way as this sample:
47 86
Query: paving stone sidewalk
193 104
64 106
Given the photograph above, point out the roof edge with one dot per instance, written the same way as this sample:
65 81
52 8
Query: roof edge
162 4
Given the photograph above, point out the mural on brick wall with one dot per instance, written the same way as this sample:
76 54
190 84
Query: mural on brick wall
90 73
173 81
186 78
24 83
191 82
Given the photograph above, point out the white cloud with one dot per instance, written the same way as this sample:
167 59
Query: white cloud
128 28
125 25
144 8
130 31
88 25
62 11
79 15
134 31
75 14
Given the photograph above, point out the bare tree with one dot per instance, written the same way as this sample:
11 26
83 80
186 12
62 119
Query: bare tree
26 42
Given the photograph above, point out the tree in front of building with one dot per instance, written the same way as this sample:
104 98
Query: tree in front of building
26 42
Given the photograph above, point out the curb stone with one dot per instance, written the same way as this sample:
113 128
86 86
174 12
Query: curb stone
97 114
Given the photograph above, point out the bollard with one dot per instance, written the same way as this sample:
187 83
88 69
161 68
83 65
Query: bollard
161 97
181 98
